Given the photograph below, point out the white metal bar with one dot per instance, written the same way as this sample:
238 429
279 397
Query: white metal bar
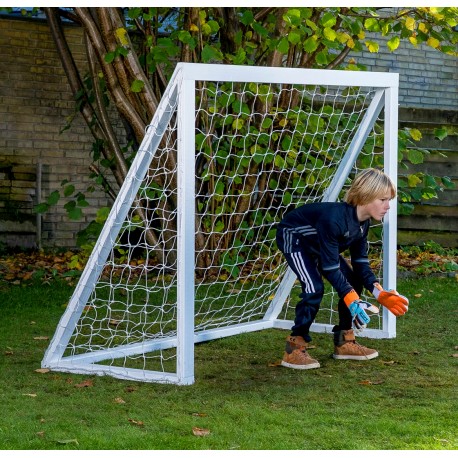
390 221
327 329
186 232
279 75
123 373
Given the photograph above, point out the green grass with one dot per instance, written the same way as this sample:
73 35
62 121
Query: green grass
405 399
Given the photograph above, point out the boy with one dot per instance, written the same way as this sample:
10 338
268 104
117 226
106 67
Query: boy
312 237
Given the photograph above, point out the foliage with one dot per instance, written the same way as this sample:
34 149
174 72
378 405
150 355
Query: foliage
44 267
131 52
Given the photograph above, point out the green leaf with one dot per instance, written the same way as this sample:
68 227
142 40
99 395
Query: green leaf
69 190
415 156
137 86
247 17
328 20
102 215
75 214
393 43
448 183
210 53
311 44
322 58
294 37
53 198
430 181
283 45
440 133
372 24
109 57
266 123
41 208
287 198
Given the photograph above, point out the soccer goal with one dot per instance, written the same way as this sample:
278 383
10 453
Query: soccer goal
188 251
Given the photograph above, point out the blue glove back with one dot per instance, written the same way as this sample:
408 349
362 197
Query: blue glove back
360 317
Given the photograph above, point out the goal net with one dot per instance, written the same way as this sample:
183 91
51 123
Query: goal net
188 251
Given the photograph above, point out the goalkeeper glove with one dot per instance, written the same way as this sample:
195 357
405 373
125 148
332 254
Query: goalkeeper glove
360 318
392 300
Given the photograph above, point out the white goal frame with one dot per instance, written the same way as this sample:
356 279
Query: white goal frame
181 91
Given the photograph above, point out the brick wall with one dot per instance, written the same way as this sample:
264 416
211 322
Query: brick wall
35 102
427 78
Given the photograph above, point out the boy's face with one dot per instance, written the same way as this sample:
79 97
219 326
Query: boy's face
375 209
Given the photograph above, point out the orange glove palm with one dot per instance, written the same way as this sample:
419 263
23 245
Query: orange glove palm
392 300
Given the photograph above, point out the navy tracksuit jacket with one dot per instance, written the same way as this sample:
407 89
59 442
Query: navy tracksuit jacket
312 238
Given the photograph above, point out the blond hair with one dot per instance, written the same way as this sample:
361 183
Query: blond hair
369 185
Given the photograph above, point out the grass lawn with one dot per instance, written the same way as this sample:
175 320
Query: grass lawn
242 399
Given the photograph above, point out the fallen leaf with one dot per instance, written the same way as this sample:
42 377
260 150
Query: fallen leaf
455 355
136 422
388 363
8 353
369 382
417 295
200 431
32 395
40 433
119 401
41 338
84 384
42 370
197 414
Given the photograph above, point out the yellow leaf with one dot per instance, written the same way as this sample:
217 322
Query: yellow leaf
42 371
351 43
415 134
372 46
121 35
342 37
422 27
413 40
283 122
410 23
433 42
329 33
193 28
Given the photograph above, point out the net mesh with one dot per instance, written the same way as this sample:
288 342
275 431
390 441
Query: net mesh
260 150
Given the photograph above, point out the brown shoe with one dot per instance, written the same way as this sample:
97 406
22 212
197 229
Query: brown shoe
296 356
346 347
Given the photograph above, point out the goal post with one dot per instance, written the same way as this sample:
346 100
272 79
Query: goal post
188 253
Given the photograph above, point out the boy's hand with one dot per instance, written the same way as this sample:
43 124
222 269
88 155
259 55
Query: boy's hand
360 317
392 300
